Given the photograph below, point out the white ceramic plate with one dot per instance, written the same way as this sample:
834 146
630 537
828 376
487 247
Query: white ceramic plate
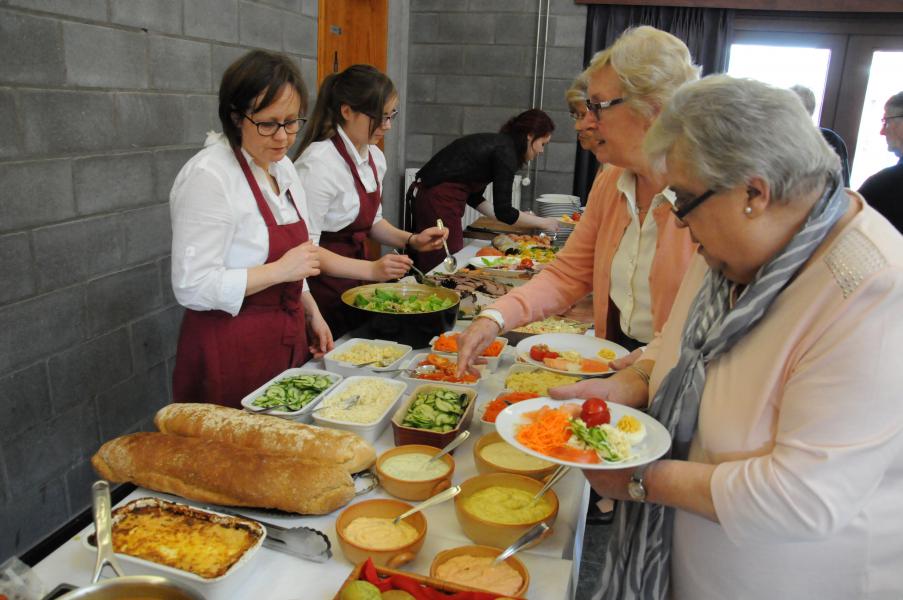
586 346
495 262
653 446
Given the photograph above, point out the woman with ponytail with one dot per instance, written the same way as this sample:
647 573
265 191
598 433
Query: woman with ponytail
457 175
341 170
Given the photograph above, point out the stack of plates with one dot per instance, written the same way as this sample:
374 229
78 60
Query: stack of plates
556 206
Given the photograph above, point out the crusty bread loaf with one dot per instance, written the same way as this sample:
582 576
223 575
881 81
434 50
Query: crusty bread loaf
212 471
267 434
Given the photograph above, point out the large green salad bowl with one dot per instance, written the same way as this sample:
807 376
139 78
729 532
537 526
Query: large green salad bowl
407 313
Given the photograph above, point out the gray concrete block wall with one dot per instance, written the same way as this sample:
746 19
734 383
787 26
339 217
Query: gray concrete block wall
103 102
471 67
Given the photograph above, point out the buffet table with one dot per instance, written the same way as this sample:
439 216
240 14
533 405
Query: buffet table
553 565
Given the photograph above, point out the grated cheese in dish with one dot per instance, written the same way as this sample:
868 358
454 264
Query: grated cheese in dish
537 382
376 395
363 352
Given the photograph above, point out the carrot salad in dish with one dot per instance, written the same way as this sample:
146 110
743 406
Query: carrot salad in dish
581 433
493 409
443 370
449 343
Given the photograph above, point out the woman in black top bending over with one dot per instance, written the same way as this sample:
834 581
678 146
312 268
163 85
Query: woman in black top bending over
457 175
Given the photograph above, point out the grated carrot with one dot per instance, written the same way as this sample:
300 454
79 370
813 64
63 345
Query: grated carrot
550 428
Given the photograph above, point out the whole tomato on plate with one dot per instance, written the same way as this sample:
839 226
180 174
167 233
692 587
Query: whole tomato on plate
594 412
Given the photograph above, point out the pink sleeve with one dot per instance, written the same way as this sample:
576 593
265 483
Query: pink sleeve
840 426
561 283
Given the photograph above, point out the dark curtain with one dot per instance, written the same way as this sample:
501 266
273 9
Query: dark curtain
705 31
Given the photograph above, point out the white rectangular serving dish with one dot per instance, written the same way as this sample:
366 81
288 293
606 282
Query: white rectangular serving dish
349 370
215 588
369 431
413 382
302 415
520 367
492 362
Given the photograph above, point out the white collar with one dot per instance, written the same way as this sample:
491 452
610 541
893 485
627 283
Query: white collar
627 186
361 159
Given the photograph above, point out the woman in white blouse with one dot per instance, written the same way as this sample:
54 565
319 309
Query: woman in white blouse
243 244
341 170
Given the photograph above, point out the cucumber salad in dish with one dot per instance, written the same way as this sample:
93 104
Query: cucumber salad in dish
581 433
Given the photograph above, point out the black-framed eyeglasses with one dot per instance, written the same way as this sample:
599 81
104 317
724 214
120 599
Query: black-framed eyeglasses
597 107
269 128
682 209
884 120
384 120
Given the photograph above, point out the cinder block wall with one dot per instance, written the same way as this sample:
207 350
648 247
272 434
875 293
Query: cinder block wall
467 55
102 101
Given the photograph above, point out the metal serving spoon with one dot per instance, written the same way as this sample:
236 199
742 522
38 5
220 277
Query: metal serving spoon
530 536
438 498
423 278
459 439
349 402
559 472
450 263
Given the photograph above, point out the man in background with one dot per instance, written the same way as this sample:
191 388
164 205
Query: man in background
884 189
807 97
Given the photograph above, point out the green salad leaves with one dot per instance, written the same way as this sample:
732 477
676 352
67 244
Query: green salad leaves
387 301
597 439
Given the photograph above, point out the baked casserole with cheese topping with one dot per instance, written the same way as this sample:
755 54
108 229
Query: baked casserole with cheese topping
185 538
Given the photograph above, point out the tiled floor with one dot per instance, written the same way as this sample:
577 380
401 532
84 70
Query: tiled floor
595 538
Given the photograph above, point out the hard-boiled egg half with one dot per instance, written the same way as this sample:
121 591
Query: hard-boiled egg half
632 428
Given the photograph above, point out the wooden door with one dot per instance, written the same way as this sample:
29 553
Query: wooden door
351 32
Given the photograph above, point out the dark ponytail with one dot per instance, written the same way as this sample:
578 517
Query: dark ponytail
534 123
362 87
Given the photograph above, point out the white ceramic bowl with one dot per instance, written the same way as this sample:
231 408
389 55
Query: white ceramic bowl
349 369
413 382
302 415
223 587
370 430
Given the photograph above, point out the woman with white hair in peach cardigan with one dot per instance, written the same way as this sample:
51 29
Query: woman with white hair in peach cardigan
633 264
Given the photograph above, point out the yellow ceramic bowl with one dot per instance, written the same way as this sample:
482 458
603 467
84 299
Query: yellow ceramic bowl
485 466
512 562
489 533
385 509
414 490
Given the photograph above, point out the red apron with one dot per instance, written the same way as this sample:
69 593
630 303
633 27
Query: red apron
445 201
220 358
351 241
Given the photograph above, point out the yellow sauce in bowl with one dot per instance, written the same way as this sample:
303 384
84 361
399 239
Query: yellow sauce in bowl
505 455
479 572
414 467
379 534
506 505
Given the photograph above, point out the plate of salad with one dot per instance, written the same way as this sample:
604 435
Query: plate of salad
587 434
386 300
569 353
504 263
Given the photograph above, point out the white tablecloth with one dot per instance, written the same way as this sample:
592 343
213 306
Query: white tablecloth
553 565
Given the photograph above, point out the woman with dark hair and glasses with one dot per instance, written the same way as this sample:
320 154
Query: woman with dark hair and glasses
243 244
627 249
341 170
457 175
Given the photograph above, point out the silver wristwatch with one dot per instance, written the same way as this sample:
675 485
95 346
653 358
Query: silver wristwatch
636 487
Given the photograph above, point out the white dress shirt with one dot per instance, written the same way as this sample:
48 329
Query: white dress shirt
218 232
332 198
632 263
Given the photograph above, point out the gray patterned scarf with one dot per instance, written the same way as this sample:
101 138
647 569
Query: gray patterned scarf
637 560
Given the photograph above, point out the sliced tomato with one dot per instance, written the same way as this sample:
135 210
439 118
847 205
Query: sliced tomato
571 454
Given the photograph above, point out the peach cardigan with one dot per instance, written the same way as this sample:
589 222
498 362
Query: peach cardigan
584 264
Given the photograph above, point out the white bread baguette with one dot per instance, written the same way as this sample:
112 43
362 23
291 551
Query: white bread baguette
216 472
268 434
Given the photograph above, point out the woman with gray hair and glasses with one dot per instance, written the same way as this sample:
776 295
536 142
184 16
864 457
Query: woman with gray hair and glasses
777 373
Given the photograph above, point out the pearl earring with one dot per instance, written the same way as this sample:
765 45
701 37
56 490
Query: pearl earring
747 210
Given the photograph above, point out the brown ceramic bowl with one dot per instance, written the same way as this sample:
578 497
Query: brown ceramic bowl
414 490
411 435
486 466
512 562
385 509
490 533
